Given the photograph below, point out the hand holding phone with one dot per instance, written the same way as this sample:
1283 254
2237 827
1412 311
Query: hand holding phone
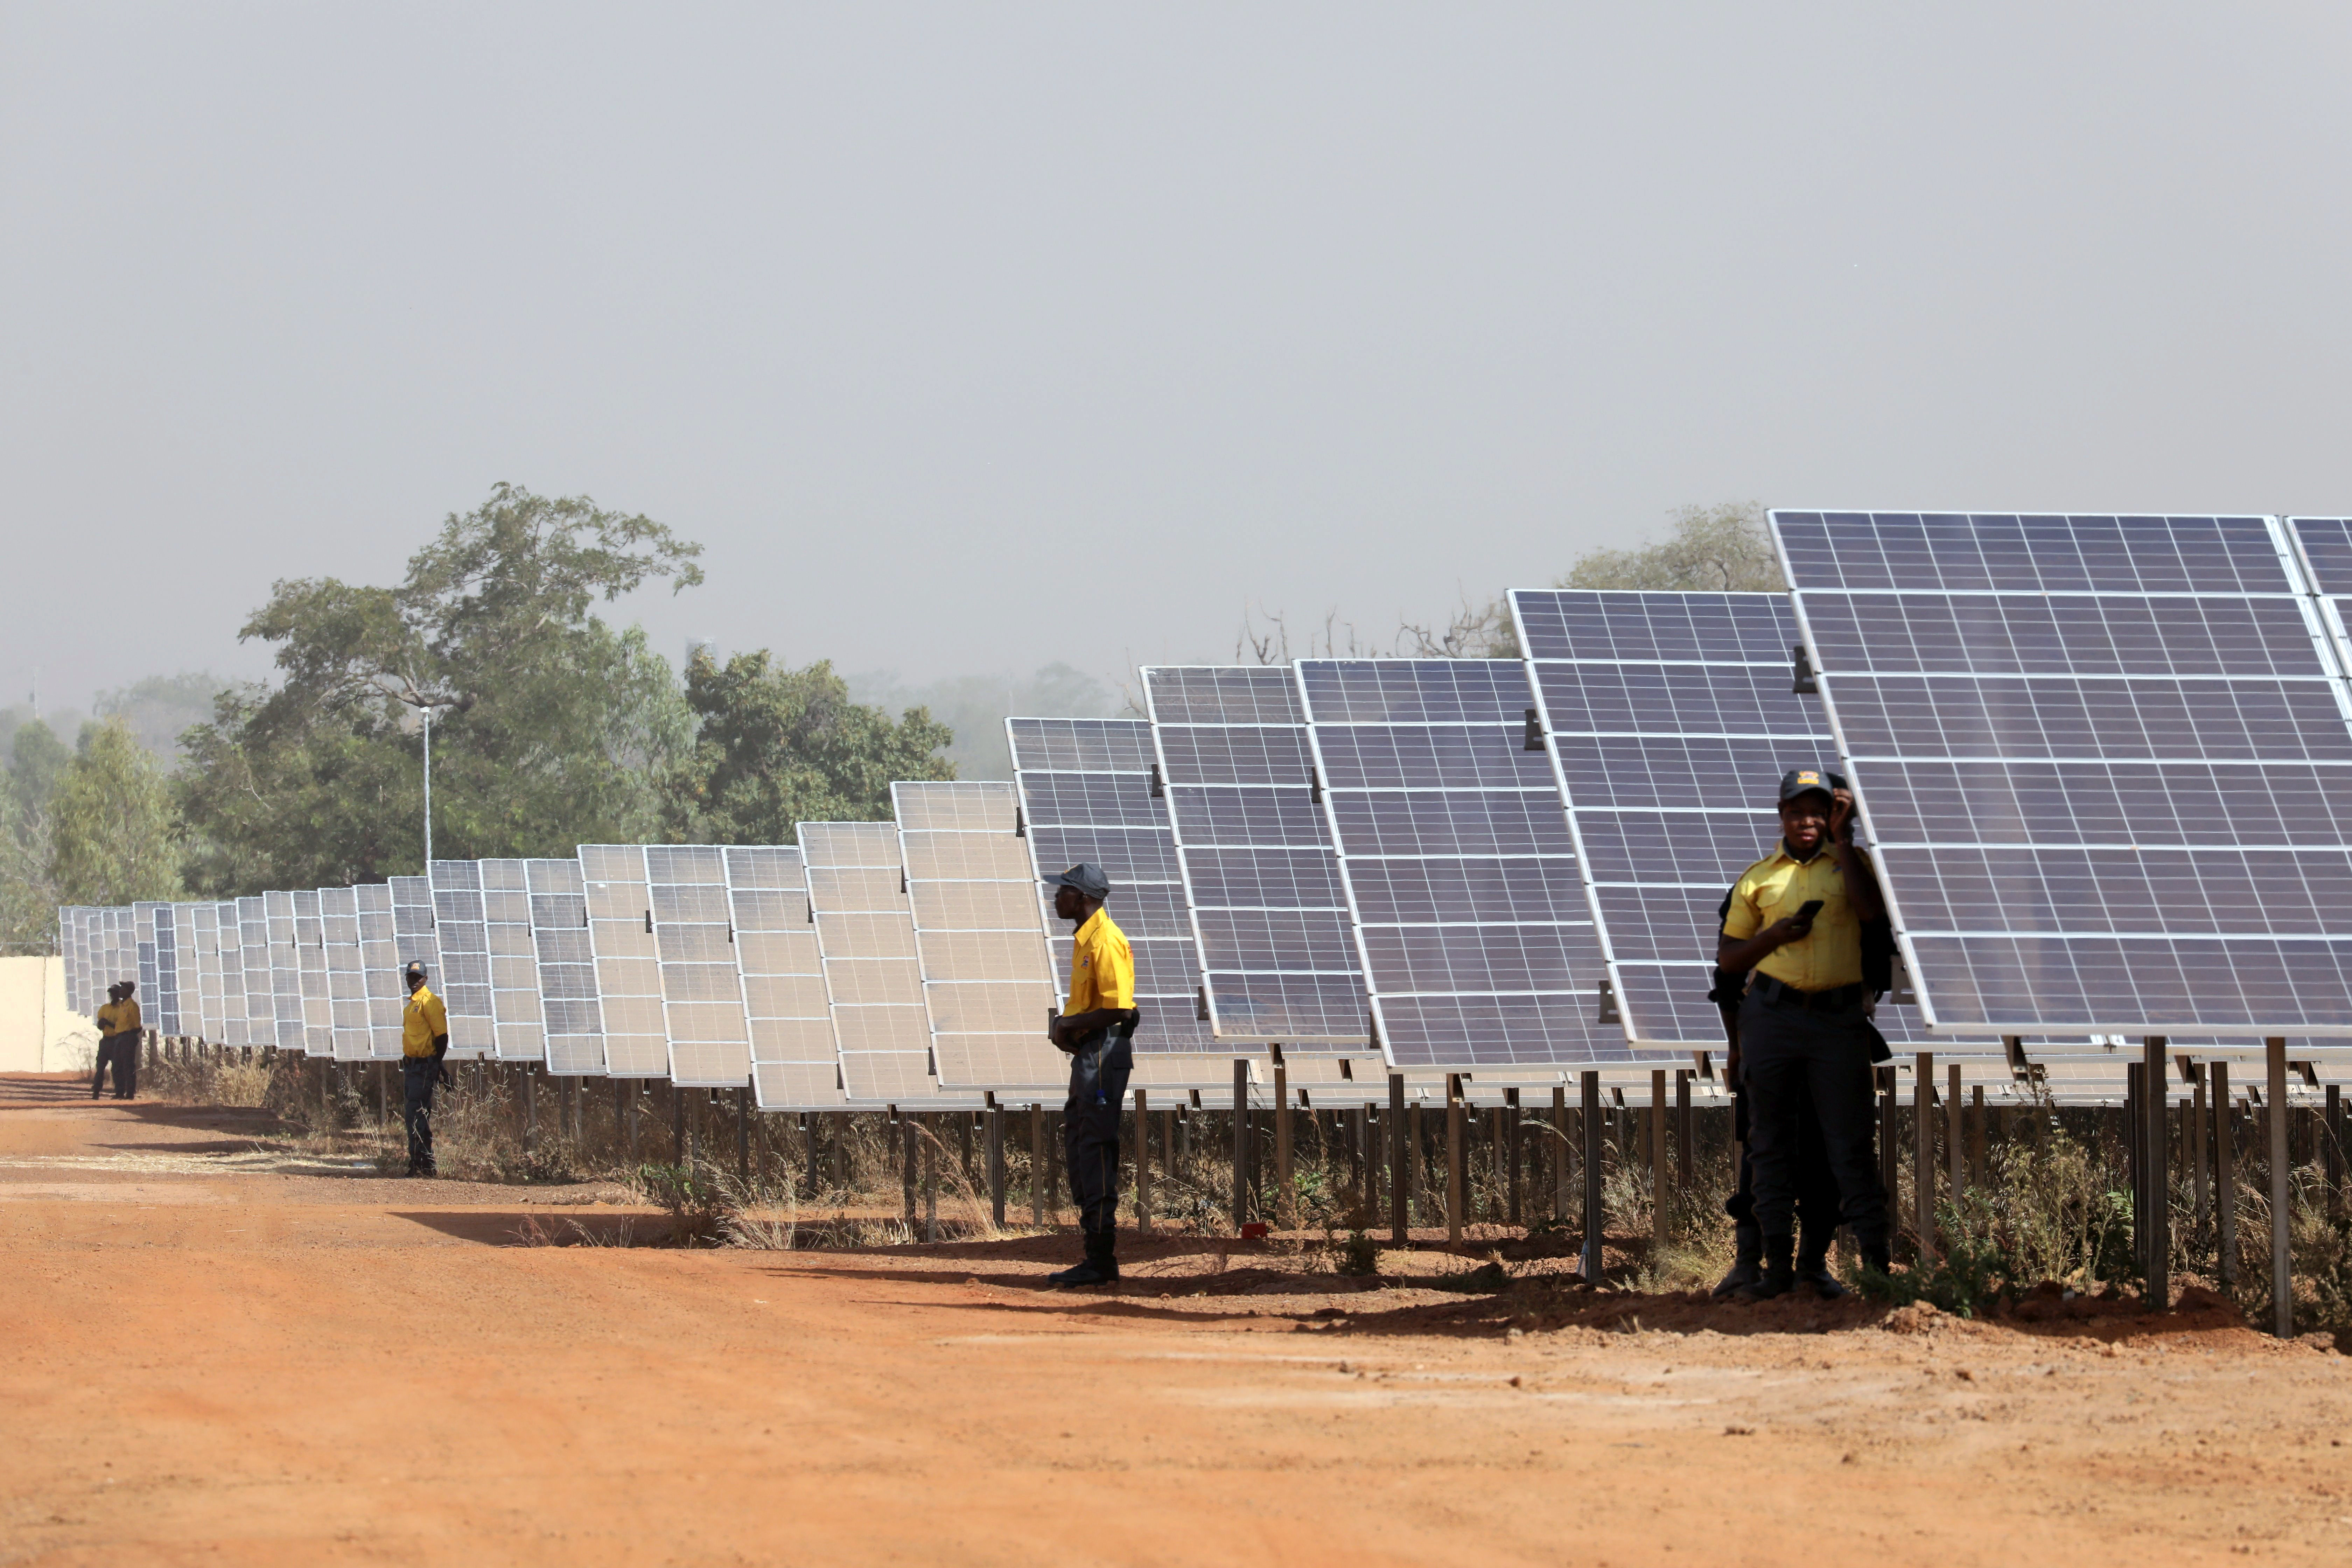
1802 923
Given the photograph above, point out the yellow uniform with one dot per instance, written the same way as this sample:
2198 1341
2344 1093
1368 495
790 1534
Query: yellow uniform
423 1020
119 1018
1102 967
1774 888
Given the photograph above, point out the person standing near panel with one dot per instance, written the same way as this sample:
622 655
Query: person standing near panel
423 1041
1806 1040
1097 1029
118 1041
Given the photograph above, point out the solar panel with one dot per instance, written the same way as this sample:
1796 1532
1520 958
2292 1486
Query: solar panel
980 944
795 1064
415 940
347 999
253 947
702 990
464 985
380 966
567 967
519 1030
310 960
874 983
1475 938
628 959
204 945
285 972
1269 915
169 939
142 930
1087 796
2099 758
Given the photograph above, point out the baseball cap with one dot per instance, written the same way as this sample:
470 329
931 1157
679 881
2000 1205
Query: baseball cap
1807 781
416 967
1085 876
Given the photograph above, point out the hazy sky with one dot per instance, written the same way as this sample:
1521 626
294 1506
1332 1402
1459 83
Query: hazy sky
967 337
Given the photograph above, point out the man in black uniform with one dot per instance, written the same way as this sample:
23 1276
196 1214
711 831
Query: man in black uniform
1094 1029
1796 919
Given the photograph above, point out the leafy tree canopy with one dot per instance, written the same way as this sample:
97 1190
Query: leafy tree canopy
549 728
114 837
779 747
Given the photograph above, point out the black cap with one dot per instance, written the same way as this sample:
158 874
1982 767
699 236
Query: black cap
415 970
1085 876
1808 780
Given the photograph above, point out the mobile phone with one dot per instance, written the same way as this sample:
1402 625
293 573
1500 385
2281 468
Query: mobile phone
1807 911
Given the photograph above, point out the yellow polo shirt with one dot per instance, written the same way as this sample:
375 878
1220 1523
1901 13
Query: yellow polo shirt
1772 890
119 1018
421 1021
1102 967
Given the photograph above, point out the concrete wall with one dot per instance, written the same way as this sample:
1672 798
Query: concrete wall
37 1033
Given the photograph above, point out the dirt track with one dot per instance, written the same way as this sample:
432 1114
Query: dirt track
204 1358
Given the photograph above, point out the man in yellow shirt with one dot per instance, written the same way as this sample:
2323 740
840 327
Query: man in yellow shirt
119 1027
423 1041
1794 923
1096 1029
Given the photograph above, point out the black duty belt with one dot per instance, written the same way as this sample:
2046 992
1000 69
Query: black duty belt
1836 999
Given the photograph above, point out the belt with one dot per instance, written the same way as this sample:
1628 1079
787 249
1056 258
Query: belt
1781 994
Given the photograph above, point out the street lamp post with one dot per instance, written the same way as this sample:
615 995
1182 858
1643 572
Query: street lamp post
424 706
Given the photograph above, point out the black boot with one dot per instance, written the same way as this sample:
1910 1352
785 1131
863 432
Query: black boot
1813 1265
1099 1268
1780 1278
1748 1244
1875 1258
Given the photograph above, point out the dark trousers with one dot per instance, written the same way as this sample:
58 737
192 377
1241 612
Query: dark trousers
1795 1059
1099 1073
1818 1208
416 1109
122 1051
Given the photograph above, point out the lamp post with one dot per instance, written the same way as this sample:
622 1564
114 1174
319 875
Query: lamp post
424 706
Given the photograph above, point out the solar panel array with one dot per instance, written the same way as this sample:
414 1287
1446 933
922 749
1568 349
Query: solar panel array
566 960
1087 797
347 997
1261 875
978 941
2102 758
1476 942
702 990
380 966
873 981
518 1032
628 959
794 1063
462 979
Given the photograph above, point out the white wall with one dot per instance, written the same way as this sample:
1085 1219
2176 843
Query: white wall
37 1033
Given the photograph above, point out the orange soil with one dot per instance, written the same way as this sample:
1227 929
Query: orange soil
199 1362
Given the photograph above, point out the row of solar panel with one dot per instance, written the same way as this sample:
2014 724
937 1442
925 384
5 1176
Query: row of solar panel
1449 857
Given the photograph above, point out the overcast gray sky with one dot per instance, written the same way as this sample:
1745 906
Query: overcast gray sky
969 337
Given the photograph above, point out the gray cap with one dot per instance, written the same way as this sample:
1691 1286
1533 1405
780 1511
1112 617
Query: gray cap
416 969
1085 876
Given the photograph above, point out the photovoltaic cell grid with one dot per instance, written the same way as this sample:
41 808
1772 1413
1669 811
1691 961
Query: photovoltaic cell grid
260 970
1085 796
347 1002
628 961
795 1064
285 971
142 937
567 967
702 990
2324 545
873 981
203 929
1261 877
387 996
231 947
1669 719
978 939
2104 761
413 934
464 983
517 1027
1475 940
311 958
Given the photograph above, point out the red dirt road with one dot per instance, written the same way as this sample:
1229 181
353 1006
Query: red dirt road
203 1359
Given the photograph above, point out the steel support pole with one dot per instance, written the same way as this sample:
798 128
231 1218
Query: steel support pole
2156 1103
2281 1192
2225 1177
1923 1162
1454 1172
1595 1220
1399 1219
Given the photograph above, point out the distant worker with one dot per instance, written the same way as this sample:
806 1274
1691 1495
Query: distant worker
423 1041
1806 1040
1097 1029
118 1041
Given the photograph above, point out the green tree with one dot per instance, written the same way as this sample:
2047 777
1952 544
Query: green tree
37 761
551 728
780 747
976 706
162 708
114 832
1712 550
